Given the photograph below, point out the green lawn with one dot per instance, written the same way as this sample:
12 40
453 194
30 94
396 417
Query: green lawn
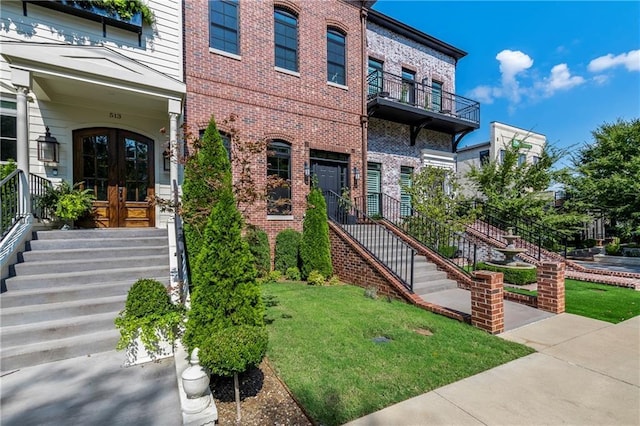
321 345
599 301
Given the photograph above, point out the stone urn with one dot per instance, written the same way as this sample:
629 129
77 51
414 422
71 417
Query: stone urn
195 382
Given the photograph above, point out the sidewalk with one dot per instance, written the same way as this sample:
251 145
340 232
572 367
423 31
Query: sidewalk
91 390
586 372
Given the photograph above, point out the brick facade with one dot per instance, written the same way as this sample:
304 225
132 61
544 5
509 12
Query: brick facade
300 108
487 302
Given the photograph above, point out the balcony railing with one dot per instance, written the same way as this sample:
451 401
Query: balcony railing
422 102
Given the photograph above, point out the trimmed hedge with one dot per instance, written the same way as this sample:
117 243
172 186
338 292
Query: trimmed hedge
287 253
511 275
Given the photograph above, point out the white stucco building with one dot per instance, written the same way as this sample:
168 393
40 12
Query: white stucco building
501 136
111 93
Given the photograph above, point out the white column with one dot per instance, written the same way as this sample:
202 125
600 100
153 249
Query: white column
175 109
22 148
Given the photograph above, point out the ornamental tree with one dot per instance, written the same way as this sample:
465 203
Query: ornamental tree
315 247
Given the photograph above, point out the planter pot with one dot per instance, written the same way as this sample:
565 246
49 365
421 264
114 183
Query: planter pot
136 353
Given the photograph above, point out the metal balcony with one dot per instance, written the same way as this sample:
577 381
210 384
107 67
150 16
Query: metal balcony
421 106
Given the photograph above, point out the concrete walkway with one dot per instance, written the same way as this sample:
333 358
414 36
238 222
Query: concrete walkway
91 390
586 372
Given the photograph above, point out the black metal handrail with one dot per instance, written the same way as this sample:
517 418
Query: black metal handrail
422 95
38 187
539 236
451 244
12 209
396 255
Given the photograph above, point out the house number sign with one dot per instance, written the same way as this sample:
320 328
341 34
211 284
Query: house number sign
115 115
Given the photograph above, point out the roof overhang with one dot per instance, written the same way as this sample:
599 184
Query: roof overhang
61 64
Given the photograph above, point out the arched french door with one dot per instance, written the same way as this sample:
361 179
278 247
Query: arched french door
118 166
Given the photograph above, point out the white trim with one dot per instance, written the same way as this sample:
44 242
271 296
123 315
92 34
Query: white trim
286 71
339 86
279 217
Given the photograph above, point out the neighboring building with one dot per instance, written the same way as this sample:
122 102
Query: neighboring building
415 117
502 135
104 88
291 71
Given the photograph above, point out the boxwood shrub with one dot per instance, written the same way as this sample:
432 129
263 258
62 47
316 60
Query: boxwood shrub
287 250
511 275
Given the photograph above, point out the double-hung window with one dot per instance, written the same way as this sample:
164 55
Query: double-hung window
279 172
286 39
436 96
8 144
375 75
408 86
224 31
336 57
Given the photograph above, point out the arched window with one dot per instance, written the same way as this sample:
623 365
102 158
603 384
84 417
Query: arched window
286 39
279 178
336 56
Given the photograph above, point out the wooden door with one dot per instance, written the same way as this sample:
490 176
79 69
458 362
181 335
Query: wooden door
118 166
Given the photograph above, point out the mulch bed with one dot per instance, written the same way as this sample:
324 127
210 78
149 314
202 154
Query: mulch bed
264 399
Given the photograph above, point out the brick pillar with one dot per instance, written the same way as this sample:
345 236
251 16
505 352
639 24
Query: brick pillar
487 302
551 287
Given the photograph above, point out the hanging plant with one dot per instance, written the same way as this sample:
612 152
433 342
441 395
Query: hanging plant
125 9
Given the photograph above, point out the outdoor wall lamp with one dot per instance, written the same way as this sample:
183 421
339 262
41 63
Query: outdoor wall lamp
307 173
356 176
48 148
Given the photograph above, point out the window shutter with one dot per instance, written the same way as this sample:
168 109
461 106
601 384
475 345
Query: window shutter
373 192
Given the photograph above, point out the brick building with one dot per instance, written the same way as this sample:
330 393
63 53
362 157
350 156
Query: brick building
291 72
415 117
333 87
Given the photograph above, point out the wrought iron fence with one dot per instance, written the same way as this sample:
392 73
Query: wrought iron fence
449 242
39 186
396 255
495 221
422 95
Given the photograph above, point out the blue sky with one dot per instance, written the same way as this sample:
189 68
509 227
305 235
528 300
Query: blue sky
557 68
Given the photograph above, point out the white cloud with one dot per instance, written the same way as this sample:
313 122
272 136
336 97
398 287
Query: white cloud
630 60
482 94
600 79
560 79
512 63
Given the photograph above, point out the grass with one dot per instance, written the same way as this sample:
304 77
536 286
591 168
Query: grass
321 345
598 301
601 301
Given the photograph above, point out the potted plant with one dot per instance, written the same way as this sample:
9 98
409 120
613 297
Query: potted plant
66 202
149 323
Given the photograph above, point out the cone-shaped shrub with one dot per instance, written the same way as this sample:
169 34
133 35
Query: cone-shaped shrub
315 247
225 291
287 250
258 241
206 171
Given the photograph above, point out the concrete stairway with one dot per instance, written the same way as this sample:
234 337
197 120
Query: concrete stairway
389 249
67 289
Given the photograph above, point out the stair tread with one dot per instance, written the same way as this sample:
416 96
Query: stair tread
59 305
22 277
31 327
106 260
41 290
60 343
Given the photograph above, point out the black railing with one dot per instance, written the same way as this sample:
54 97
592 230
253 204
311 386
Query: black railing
396 255
12 208
421 95
450 243
494 222
39 186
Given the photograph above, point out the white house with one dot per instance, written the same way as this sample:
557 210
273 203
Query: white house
109 91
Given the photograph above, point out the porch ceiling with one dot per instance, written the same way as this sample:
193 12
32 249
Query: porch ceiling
72 74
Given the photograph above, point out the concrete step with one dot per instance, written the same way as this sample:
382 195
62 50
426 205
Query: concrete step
54 350
41 296
54 311
27 282
26 334
428 275
103 233
94 263
426 287
101 253
91 243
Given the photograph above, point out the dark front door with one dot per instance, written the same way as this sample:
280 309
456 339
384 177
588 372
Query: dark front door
331 172
118 166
